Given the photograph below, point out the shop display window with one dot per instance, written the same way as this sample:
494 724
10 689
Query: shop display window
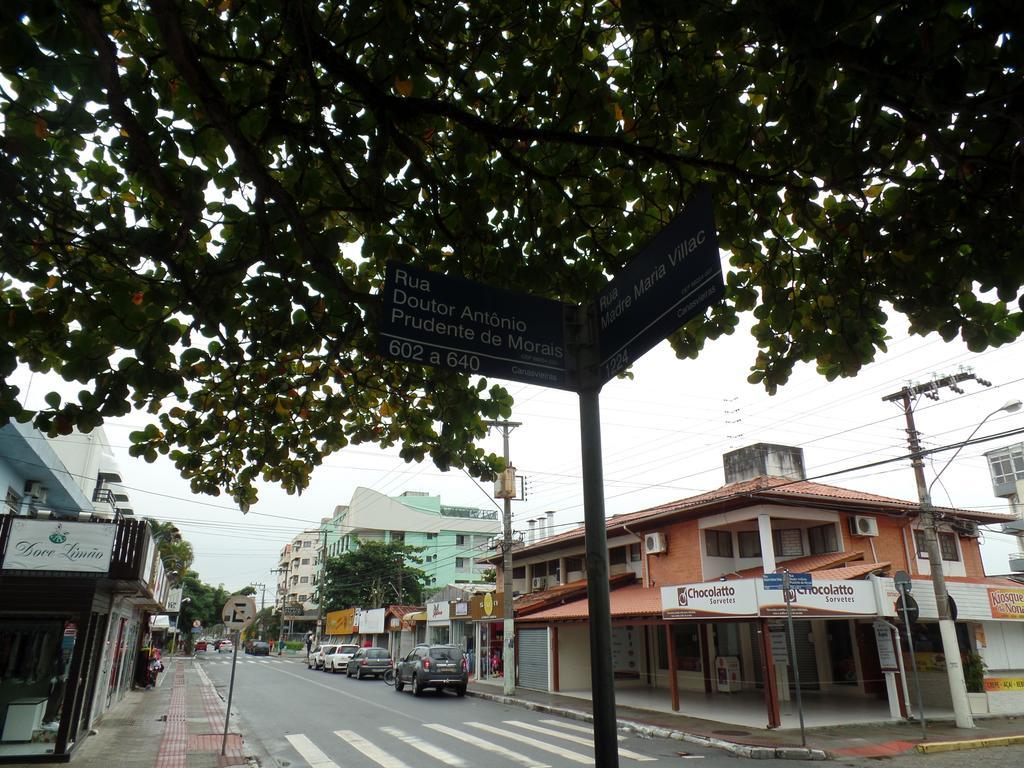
35 659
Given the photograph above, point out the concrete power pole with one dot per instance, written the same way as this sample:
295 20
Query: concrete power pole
508 655
947 627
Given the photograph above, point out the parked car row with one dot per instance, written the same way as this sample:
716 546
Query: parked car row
426 666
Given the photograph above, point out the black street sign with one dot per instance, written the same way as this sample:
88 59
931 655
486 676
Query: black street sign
448 322
674 279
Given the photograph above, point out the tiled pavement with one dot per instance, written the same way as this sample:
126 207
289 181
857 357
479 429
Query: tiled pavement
178 724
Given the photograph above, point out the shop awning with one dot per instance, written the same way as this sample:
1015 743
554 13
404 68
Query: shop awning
633 601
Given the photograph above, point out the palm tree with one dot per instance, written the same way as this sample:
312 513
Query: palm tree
175 552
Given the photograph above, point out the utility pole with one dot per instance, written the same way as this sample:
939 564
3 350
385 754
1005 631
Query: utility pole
263 593
947 627
508 654
320 588
284 601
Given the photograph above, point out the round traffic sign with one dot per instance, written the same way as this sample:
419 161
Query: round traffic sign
239 612
197 623
912 609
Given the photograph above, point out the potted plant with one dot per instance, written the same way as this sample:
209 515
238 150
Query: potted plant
974 679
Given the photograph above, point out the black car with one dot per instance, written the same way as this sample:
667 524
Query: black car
368 662
433 666
258 648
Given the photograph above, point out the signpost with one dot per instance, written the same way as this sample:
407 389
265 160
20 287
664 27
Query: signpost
239 612
449 322
788 582
674 279
903 583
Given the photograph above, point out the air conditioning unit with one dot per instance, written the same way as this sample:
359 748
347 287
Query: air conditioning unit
862 525
655 543
967 528
540 582
35 489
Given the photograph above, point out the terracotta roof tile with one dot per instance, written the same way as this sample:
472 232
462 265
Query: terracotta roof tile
631 601
535 601
810 563
851 571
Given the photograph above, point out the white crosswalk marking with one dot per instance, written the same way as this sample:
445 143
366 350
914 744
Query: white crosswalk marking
477 742
371 750
309 751
578 740
426 747
574 727
568 754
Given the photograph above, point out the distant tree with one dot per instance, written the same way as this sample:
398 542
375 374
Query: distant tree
368 577
489 576
175 552
249 590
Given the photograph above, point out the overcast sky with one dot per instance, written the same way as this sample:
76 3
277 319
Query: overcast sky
663 435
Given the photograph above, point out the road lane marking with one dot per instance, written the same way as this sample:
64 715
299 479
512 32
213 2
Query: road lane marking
359 699
309 751
578 740
426 747
371 750
568 754
574 727
508 754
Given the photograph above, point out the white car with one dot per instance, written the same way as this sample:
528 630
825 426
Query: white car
337 659
226 645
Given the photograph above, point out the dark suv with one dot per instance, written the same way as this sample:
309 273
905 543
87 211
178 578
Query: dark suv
433 666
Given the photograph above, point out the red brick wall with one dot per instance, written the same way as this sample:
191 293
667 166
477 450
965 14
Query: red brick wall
681 564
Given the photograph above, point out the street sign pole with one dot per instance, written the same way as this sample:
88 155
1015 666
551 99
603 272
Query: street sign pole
231 690
602 679
786 582
904 588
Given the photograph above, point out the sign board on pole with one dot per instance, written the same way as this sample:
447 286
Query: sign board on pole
448 322
674 279
886 650
239 612
778 580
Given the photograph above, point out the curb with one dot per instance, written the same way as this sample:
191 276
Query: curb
651 731
954 746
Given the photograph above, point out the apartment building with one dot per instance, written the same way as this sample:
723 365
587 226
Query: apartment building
695 630
297 574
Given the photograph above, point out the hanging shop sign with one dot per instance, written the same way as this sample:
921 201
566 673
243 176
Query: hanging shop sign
823 598
51 545
340 622
1006 603
489 605
713 599
438 613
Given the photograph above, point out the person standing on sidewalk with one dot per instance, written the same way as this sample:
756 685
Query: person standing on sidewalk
309 643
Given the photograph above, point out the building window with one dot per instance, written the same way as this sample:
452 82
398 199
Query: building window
788 542
431 536
519 572
822 539
12 503
460 563
1008 465
750 543
305 561
947 546
634 553
718 543
617 556
460 540
398 536
687 640
302 598
304 580
574 564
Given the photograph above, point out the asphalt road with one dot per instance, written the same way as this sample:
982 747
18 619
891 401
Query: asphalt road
308 719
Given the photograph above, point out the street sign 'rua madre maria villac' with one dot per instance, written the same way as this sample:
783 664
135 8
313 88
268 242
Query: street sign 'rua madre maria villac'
449 322
674 279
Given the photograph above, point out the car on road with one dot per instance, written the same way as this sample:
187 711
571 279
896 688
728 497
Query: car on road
316 656
368 662
433 666
257 648
225 645
200 645
337 660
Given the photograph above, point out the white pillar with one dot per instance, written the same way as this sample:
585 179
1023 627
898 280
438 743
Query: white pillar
764 529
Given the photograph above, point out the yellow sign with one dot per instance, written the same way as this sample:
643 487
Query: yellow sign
1004 684
1006 603
340 622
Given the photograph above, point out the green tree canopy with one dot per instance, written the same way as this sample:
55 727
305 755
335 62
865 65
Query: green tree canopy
175 552
374 575
184 186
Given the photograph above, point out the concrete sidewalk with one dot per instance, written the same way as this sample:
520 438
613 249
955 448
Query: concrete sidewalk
177 724
882 739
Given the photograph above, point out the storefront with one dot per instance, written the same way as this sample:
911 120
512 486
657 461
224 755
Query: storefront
68 633
487 620
439 623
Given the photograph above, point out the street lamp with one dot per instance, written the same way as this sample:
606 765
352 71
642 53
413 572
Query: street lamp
947 627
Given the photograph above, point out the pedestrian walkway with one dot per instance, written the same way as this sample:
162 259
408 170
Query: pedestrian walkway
882 739
178 724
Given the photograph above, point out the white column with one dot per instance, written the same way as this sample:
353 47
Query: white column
764 528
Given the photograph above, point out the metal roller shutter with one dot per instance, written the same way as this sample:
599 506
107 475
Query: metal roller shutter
533 658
